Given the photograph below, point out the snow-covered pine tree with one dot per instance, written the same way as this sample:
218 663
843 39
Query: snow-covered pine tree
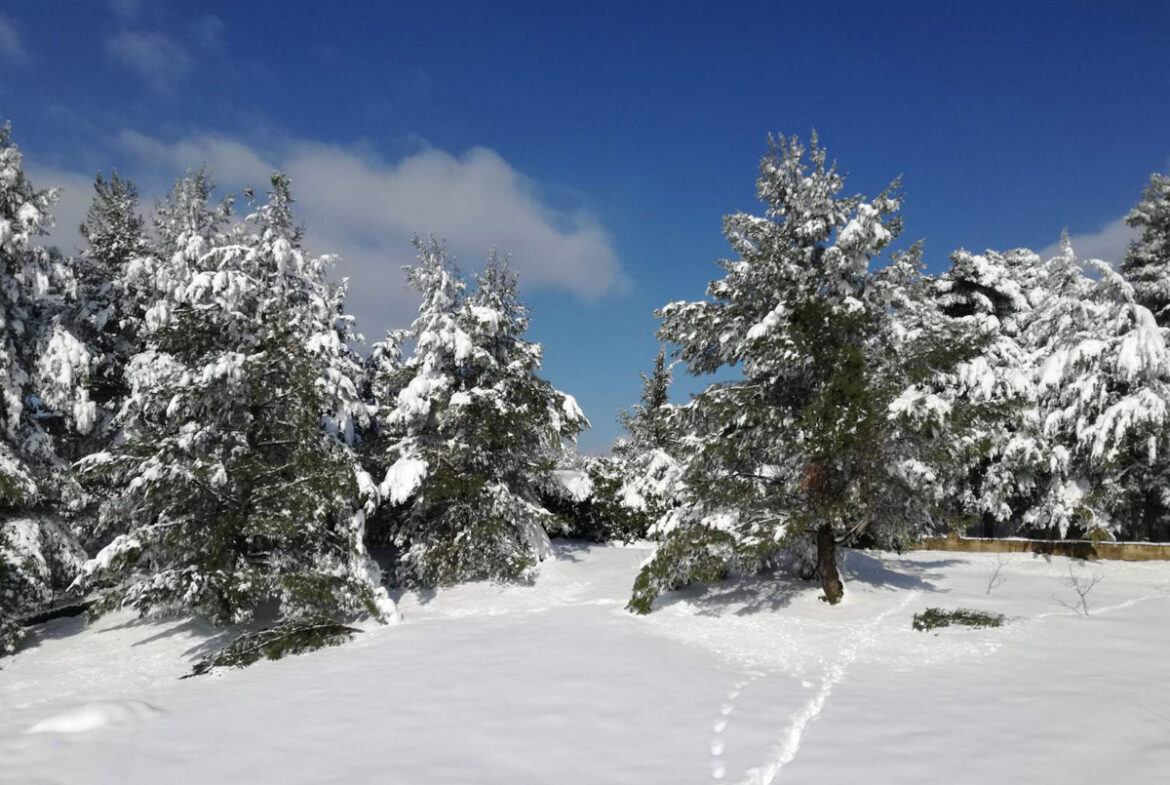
235 499
469 431
649 459
44 369
1146 264
832 430
44 397
994 483
648 424
107 314
1104 404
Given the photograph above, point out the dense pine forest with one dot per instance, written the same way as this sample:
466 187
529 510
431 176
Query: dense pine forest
193 425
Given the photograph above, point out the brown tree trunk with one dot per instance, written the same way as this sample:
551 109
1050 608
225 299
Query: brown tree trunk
827 564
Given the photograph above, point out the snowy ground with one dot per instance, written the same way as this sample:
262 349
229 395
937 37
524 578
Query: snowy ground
753 682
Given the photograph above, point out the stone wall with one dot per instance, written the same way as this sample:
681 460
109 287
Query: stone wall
1080 549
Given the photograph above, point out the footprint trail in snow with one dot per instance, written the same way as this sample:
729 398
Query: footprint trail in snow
784 752
718 742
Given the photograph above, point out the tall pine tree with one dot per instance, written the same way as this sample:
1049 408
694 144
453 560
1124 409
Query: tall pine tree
44 397
235 499
833 429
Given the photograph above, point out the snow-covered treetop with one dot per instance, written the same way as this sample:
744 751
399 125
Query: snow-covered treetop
1147 261
812 245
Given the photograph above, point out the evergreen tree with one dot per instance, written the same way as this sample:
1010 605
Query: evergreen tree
648 460
43 368
1104 403
834 429
43 398
112 295
1147 267
1147 261
994 484
648 424
234 499
469 432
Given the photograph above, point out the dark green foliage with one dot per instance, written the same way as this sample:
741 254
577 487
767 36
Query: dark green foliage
649 423
933 618
273 643
693 554
602 517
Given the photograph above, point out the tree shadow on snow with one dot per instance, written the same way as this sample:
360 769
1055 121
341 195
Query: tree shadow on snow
858 567
212 637
51 630
741 596
567 550
421 596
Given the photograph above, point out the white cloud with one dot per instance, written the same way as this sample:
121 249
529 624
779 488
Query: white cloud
74 196
155 57
11 47
365 209
1107 244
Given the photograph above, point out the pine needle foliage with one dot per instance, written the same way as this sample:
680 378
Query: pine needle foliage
285 639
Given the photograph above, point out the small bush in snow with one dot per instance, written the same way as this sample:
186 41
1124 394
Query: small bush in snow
933 618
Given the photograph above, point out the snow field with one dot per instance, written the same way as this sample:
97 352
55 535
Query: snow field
753 681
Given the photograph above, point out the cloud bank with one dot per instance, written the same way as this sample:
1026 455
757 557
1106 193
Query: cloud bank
1107 243
365 209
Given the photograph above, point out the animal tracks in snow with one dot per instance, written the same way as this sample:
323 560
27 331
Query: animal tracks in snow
718 742
785 751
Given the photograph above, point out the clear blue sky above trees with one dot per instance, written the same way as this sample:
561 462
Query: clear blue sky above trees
611 137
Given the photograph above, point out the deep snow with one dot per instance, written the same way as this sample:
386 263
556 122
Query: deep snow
749 682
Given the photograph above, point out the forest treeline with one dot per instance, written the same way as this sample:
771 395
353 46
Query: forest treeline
189 427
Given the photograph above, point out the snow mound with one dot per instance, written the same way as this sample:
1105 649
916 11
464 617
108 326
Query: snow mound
99 714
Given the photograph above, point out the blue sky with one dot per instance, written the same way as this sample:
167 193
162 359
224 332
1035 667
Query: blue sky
600 143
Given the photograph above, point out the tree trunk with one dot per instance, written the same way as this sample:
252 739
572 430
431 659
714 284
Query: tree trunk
827 564
1150 515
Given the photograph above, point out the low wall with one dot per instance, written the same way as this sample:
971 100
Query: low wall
1079 549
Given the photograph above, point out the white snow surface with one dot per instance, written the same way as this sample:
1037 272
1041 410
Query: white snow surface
748 682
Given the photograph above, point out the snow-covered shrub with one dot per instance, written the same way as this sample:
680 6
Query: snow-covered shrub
39 557
589 504
934 618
